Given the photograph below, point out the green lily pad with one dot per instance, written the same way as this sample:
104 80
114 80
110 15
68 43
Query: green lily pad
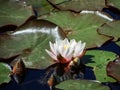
14 13
81 85
78 5
30 40
4 73
111 29
41 6
80 26
115 3
98 60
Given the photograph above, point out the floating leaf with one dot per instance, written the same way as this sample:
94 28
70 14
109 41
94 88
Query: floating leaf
78 5
81 85
4 73
41 6
13 13
113 69
30 40
111 29
80 26
115 3
98 60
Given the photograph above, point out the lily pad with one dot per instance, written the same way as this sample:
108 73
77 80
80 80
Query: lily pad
98 60
113 69
115 3
78 5
111 29
41 6
81 85
14 13
80 26
30 40
4 73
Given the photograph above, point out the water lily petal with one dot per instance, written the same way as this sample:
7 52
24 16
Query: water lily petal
53 48
65 52
70 54
72 43
51 55
79 49
61 49
65 41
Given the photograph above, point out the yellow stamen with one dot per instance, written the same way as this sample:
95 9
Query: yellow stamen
66 46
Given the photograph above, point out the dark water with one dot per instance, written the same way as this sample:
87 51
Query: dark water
33 77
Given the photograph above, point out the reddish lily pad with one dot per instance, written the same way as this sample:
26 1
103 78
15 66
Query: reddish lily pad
18 71
78 5
81 85
4 73
98 60
80 26
113 69
111 29
30 40
14 13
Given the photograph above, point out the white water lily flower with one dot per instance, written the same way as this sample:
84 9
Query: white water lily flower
63 51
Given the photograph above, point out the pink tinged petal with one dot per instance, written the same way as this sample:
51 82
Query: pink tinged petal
56 49
68 57
65 46
61 49
64 54
65 41
73 44
51 55
79 50
77 47
58 44
53 49
69 54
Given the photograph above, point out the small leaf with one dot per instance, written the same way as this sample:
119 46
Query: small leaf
4 73
19 71
80 26
113 69
81 85
111 29
98 60
14 13
78 5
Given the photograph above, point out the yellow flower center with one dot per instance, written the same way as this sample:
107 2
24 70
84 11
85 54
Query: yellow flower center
66 46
